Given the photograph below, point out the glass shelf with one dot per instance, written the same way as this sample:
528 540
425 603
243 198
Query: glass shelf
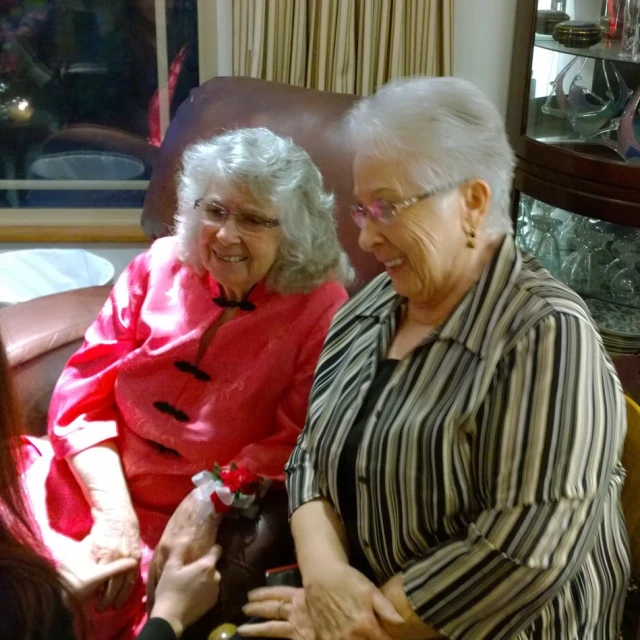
585 101
599 260
604 50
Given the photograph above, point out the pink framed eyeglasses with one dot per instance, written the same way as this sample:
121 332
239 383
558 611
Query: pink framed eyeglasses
385 212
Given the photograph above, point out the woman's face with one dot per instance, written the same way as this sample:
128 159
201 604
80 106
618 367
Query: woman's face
420 247
240 252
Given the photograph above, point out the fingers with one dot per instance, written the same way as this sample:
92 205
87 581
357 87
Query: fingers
152 582
158 561
103 572
129 582
213 555
207 561
113 588
177 551
383 608
269 609
84 579
271 629
273 593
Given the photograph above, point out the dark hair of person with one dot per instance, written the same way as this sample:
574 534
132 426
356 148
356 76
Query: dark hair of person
30 588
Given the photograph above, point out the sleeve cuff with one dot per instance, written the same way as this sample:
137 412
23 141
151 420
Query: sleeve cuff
157 629
295 502
83 438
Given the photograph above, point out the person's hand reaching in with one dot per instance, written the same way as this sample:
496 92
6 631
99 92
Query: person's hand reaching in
186 590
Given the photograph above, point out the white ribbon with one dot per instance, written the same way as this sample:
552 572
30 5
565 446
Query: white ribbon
206 485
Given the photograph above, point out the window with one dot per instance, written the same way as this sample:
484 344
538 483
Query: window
81 117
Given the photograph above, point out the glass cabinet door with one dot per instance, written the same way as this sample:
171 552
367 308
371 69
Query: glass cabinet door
599 260
584 90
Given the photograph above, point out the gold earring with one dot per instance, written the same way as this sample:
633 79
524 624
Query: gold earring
471 239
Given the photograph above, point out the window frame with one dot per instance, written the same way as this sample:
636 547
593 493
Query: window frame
18 224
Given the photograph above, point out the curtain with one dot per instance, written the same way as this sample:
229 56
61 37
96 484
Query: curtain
270 40
347 46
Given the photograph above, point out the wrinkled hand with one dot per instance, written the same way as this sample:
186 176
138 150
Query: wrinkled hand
83 575
284 610
187 590
344 605
190 523
116 535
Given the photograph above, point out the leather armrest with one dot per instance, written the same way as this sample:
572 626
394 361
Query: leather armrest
30 329
250 547
40 335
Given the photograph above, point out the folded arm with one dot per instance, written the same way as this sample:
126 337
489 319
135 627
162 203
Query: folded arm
83 426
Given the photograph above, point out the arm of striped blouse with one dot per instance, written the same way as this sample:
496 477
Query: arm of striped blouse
545 443
300 476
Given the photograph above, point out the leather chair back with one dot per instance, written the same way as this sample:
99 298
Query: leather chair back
40 335
313 119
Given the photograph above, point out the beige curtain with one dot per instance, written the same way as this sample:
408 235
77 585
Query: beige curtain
348 46
270 40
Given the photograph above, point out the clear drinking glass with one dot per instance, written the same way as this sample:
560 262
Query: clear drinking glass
543 239
571 230
601 239
630 43
523 223
578 268
625 286
612 19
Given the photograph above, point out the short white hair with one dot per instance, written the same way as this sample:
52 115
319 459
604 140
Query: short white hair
445 131
282 176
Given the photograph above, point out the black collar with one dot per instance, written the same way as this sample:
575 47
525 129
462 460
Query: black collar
243 305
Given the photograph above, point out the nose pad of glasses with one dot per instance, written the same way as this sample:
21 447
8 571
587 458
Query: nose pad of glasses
228 229
369 234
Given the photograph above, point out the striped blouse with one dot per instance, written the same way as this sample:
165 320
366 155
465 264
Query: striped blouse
488 474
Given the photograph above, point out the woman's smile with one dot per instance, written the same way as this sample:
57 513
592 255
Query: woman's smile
230 259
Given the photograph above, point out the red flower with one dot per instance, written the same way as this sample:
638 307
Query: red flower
218 505
239 479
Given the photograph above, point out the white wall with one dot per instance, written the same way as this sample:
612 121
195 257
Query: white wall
482 43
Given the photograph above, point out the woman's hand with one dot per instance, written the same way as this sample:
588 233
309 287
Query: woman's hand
116 535
344 605
187 590
192 529
82 575
284 610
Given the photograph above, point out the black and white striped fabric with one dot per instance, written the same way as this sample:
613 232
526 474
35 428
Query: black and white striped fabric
488 473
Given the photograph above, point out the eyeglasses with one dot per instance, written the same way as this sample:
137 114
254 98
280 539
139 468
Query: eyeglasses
385 212
217 216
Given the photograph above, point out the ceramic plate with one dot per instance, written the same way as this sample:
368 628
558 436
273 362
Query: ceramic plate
615 319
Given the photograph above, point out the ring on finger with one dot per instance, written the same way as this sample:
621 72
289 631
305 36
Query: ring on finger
280 612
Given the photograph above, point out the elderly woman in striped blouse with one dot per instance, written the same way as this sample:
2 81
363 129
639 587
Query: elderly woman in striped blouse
459 474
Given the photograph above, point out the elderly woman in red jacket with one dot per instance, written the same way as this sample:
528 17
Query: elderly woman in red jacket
203 354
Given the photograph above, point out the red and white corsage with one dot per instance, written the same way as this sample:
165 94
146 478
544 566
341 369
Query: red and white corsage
235 488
